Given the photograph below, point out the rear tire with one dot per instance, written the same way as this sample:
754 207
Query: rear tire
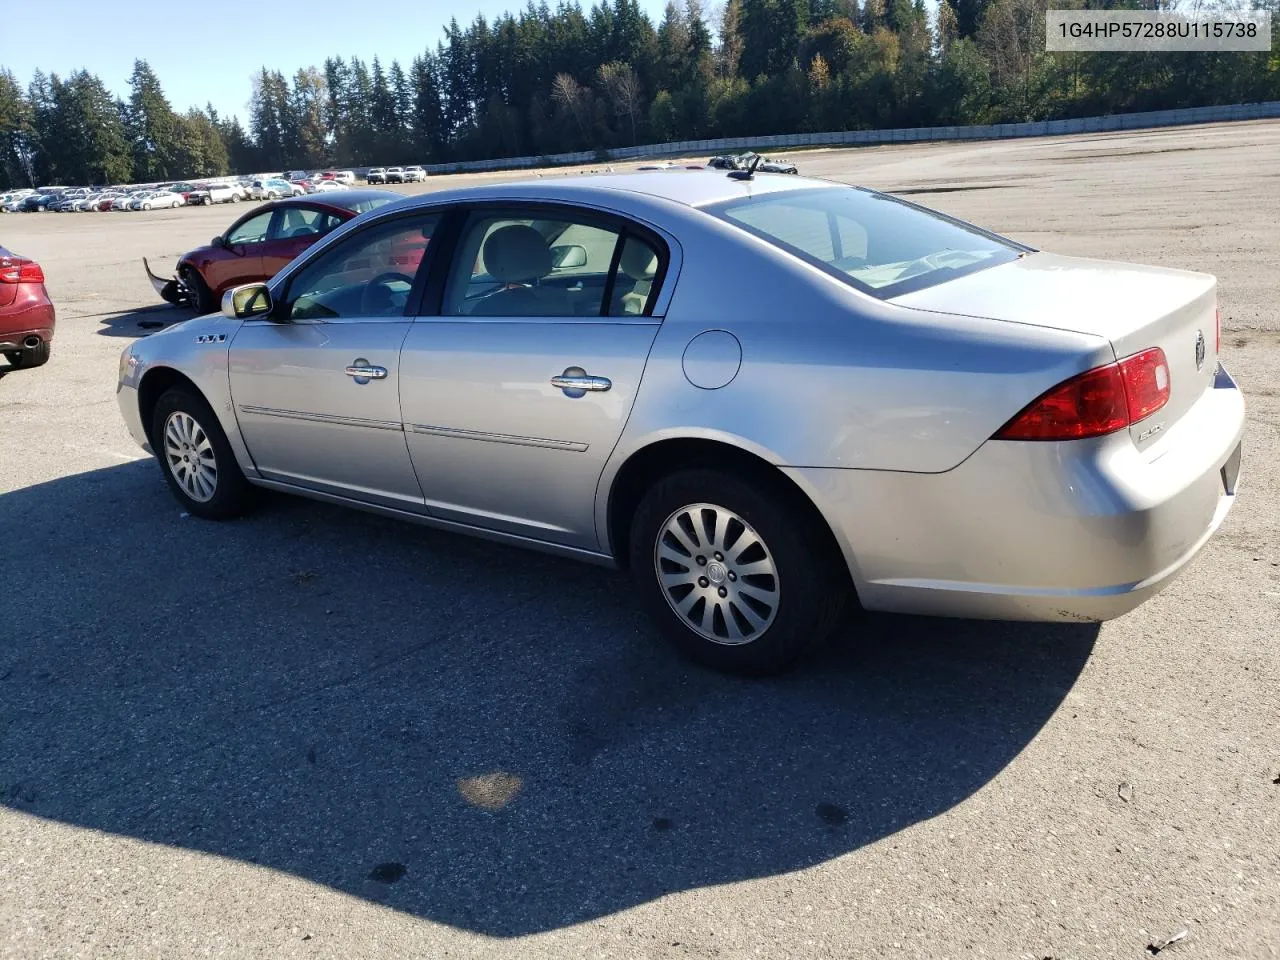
765 586
29 357
196 458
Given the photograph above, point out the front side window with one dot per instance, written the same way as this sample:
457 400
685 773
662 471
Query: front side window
253 230
292 223
876 243
368 275
535 264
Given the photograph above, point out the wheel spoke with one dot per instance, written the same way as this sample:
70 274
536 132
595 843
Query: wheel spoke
767 597
685 605
753 618
677 530
756 568
708 617
743 544
665 552
722 528
684 578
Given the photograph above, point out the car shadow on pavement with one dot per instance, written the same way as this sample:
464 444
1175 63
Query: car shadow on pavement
469 733
144 320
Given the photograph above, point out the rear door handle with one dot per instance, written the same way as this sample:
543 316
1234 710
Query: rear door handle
363 371
575 382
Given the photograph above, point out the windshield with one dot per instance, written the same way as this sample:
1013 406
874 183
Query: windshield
877 243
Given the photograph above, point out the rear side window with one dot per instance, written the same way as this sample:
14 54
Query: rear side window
876 243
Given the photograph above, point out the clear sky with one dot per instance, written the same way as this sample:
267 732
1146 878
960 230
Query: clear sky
208 51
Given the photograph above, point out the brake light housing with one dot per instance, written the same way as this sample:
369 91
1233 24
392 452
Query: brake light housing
20 271
1097 402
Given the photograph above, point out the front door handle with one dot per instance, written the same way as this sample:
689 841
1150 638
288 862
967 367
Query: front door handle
363 371
575 382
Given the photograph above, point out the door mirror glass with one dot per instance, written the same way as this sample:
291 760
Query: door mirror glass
568 256
250 300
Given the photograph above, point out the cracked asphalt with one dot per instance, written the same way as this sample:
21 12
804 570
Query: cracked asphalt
318 733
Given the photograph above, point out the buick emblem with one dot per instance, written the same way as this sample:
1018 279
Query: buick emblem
1200 348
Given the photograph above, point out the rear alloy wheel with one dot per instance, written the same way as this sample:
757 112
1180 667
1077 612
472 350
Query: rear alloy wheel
196 459
736 572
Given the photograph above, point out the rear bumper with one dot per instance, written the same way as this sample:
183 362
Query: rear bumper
31 314
1076 531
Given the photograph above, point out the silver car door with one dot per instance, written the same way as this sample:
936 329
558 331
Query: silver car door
516 393
316 384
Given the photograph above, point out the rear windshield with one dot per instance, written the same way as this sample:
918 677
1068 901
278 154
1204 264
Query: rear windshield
879 244
373 203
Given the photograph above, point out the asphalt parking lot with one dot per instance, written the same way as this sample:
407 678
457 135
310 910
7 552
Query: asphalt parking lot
318 733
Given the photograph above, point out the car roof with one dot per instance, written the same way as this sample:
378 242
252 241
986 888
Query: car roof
693 188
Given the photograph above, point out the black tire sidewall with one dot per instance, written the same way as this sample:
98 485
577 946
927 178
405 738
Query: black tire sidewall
811 589
231 496
201 295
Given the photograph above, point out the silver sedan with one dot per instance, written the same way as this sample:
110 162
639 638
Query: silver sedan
767 396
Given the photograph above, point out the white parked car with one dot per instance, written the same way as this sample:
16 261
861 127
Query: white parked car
217 193
395 174
376 175
327 186
414 174
161 199
344 177
127 201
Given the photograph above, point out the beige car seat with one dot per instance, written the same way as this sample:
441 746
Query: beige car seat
640 264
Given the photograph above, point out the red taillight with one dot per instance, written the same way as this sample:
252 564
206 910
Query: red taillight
1146 383
20 271
1096 402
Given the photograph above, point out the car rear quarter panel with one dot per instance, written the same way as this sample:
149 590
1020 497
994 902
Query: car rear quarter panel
830 377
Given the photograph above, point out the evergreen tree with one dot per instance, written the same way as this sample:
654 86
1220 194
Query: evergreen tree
151 126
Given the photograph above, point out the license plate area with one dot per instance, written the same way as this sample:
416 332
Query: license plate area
1231 471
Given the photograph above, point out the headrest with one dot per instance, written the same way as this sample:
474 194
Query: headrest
638 261
517 254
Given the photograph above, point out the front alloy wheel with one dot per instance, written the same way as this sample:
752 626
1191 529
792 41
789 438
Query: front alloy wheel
190 456
196 458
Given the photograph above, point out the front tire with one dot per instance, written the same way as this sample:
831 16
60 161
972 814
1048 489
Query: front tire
195 457
201 295
738 574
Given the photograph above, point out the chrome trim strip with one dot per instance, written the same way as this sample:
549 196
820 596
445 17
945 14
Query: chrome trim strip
459 434
497 536
321 418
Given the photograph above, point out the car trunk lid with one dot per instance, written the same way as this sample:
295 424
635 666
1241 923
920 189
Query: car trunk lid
1134 307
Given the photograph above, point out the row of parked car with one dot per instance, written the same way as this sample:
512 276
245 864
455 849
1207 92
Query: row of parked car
172 195
395 175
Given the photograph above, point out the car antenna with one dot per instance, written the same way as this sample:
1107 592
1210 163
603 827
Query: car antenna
748 173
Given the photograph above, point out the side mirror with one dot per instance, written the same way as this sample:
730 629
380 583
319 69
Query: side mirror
567 256
250 300
218 241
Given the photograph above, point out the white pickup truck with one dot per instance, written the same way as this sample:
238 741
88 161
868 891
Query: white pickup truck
217 193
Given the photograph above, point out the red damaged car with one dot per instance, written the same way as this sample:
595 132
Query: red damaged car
258 245
26 313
